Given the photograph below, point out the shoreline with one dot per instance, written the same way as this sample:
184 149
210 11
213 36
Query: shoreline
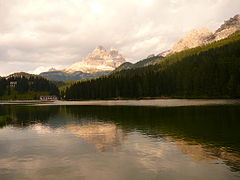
127 102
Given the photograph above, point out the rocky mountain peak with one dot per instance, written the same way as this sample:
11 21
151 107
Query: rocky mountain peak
227 28
231 23
204 36
99 60
193 39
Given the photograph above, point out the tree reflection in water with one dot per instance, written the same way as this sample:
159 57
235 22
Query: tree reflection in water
203 134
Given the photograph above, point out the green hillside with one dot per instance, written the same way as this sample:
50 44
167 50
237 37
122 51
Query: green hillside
25 86
211 71
143 63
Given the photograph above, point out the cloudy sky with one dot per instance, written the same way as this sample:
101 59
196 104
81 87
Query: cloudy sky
38 34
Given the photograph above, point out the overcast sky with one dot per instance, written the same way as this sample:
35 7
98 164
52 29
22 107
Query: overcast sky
38 34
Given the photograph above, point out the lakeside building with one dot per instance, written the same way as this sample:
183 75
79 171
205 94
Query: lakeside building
13 84
48 98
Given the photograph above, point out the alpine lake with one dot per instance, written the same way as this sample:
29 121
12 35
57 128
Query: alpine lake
101 140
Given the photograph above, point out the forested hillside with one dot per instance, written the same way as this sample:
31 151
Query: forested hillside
211 71
25 86
143 63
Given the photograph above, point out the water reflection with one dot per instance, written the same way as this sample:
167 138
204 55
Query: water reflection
102 135
158 142
209 154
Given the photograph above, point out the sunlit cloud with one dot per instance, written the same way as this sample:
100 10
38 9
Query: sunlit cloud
96 8
57 33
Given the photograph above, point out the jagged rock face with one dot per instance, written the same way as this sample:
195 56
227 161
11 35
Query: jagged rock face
193 39
203 36
99 60
229 27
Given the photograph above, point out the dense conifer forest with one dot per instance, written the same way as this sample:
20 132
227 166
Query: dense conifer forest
25 86
211 71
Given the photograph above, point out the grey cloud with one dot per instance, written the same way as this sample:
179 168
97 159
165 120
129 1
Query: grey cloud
58 33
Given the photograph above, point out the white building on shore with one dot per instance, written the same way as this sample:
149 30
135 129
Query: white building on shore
48 98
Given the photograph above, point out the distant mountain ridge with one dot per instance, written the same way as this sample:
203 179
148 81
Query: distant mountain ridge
210 71
193 39
204 36
65 76
150 60
102 61
99 62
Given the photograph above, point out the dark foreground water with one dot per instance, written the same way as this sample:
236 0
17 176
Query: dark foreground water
119 142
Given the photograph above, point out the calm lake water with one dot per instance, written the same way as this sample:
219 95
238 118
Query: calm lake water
113 141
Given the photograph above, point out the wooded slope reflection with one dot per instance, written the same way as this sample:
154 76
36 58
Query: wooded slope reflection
203 133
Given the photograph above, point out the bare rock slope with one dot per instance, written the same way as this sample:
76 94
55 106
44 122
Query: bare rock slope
98 60
204 36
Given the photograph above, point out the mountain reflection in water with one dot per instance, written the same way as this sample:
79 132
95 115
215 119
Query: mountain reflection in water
102 135
116 142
